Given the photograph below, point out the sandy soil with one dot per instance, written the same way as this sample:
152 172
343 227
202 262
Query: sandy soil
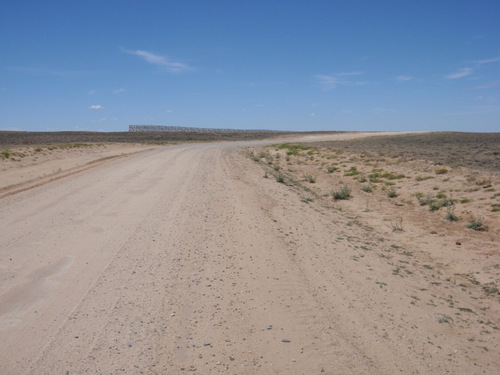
184 259
30 166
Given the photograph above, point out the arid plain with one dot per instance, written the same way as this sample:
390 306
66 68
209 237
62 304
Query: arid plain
345 253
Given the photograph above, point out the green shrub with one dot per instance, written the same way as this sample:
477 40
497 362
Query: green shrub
311 178
436 205
423 178
366 188
292 149
424 200
392 176
374 177
353 171
280 177
343 193
392 193
450 214
476 223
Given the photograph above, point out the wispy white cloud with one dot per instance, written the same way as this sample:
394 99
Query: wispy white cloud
488 61
349 74
91 92
464 72
488 85
312 114
332 82
403 78
117 91
328 82
162 61
96 106
169 111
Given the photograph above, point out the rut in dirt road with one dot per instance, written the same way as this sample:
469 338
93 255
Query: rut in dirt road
183 259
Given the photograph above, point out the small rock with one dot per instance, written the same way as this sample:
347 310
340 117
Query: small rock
269 327
231 358
458 243
433 232
285 340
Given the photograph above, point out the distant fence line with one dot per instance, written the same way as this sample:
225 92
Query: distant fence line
163 128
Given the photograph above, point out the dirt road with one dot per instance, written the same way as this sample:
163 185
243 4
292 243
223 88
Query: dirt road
185 260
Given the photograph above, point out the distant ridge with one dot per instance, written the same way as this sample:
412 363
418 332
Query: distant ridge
164 128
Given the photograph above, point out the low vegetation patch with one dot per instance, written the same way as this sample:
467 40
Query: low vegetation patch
280 177
423 178
343 193
310 178
450 214
434 202
441 171
391 192
367 188
477 223
353 171
293 149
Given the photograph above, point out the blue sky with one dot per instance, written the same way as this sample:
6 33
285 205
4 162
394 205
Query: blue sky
288 65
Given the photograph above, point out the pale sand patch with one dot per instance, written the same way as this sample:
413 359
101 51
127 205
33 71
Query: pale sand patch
29 166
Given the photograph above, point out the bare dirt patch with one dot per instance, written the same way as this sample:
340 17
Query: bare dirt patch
24 166
429 207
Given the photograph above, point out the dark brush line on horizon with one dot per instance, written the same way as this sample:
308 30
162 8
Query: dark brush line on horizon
165 128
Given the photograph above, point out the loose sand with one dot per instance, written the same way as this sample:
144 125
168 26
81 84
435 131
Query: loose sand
185 259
